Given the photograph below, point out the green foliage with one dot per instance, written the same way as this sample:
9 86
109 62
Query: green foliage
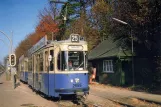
101 12
144 17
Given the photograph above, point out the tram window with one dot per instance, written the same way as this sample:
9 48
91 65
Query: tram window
30 65
26 66
77 60
22 67
62 61
46 60
86 60
58 61
72 60
41 62
52 61
37 63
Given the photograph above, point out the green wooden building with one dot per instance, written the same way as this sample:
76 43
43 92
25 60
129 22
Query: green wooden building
114 65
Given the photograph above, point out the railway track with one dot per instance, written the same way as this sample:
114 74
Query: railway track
87 103
109 103
129 102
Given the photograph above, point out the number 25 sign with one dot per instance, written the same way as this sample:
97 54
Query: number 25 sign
74 38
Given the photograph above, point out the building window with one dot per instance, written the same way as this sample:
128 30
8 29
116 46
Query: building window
108 66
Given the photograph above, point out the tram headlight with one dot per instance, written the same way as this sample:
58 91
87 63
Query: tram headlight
71 80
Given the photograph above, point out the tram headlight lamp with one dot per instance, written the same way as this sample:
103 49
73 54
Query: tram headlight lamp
71 80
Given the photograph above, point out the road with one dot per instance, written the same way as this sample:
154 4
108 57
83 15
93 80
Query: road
126 97
23 96
99 96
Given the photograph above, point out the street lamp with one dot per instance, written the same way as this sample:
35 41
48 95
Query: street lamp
5 44
9 40
10 44
132 48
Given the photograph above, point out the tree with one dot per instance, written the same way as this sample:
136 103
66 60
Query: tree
144 16
47 26
101 12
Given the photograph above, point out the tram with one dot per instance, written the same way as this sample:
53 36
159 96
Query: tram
23 68
58 68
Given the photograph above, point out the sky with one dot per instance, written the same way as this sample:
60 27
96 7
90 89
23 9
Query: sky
19 17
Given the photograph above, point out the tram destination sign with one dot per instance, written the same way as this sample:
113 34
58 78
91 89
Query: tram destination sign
75 47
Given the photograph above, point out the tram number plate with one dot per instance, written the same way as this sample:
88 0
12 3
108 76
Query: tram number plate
77 85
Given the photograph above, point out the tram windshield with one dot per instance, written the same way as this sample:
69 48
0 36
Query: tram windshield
72 60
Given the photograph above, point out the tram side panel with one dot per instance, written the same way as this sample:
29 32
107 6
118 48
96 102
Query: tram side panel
24 71
52 84
30 79
45 83
26 76
36 82
21 76
41 82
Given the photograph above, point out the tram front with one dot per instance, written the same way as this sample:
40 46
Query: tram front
72 74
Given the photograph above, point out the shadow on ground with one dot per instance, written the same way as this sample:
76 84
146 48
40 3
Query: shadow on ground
17 84
29 105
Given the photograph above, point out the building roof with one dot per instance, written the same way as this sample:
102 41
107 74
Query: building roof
108 48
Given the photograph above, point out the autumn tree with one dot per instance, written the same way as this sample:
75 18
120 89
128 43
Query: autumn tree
47 26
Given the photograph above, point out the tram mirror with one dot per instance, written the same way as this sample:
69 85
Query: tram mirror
49 58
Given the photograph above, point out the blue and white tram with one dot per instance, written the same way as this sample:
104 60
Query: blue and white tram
59 67
23 68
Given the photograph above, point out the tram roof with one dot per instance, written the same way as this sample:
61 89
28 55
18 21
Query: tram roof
45 43
66 42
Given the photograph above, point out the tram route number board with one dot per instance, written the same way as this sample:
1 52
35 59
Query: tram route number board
74 38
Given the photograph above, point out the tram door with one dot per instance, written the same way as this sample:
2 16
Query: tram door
34 71
46 71
51 71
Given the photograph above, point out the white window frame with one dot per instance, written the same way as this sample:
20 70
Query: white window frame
108 66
